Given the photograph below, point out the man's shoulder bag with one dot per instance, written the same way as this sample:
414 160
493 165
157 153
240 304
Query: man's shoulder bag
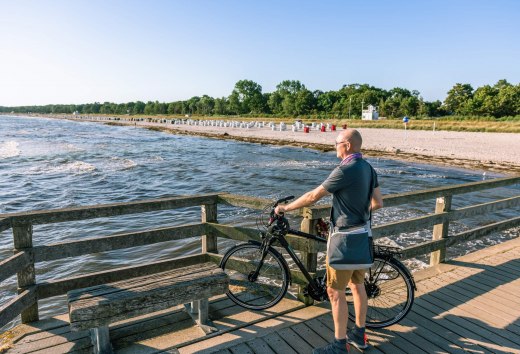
351 250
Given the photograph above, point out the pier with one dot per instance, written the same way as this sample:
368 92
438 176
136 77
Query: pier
468 303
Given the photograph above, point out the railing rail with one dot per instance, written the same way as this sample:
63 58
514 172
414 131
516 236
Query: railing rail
107 210
22 263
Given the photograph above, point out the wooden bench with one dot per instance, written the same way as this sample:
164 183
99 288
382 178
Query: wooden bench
96 307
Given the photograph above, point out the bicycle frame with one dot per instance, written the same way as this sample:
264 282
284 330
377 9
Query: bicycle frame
283 242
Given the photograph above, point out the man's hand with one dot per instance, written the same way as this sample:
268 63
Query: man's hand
279 210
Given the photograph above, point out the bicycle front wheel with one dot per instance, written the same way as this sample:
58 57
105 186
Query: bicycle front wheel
256 281
390 293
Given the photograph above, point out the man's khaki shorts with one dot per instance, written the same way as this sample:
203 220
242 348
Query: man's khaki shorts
338 279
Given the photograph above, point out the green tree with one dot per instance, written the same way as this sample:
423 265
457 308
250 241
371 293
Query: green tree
458 97
247 98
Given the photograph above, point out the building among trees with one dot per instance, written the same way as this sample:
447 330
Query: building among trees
370 113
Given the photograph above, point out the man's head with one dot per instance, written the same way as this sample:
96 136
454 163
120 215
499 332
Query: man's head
348 142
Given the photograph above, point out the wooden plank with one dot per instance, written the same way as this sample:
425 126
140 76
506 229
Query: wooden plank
209 240
440 231
408 225
488 280
485 287
241 348
117 241
99 306
434 335
474 303
16 305
462 318
309 335
482 231
377 342
465 236
23 239
278 344
417 196
484 208
411 197
15 264
245 234
296 342
243 201
67 343
421 222
496 298
431 314
259 346
106 210
62 286
153 280
5 224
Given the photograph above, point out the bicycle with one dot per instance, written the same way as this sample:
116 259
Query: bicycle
260 276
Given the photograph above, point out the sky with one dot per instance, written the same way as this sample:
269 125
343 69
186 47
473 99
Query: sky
83 51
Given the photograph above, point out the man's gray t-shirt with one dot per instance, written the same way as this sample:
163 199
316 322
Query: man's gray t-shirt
351 186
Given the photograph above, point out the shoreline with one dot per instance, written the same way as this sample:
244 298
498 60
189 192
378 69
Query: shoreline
509 169
497 152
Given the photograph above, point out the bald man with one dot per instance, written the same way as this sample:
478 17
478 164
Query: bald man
355 190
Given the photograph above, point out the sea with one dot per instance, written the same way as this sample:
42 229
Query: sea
48 163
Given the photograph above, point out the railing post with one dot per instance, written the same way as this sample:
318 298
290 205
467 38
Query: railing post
309 259
22 236
440 231
209 241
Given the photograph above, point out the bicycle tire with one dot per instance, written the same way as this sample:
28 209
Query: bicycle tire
391 294
264 292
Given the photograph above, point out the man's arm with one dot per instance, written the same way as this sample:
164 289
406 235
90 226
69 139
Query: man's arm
377 199
307 199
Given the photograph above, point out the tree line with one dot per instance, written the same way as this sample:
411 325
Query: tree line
292 99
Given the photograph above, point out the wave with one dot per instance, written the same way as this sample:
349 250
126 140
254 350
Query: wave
75 167
119 164
387 171
294 164
9 149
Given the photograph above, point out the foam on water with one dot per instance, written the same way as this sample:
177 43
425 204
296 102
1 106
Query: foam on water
74 167
9 149
119 164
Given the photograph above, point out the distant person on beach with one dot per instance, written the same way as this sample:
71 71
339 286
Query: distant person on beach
351 183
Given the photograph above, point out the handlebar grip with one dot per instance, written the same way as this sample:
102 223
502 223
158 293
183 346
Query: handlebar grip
283 200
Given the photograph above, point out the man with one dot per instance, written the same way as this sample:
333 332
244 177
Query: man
355 190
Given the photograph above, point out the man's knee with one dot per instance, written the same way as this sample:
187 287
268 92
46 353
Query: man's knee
334 294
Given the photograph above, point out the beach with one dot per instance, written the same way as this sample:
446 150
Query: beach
475 150
486 151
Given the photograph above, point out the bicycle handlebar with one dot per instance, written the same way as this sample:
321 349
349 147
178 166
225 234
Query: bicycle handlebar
283 200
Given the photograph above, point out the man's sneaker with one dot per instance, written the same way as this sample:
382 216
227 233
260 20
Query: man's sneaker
336 347
358 340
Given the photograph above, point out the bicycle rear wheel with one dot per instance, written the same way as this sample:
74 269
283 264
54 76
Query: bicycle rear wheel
270 285
390 293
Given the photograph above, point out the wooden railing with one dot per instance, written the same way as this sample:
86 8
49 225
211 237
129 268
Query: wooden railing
23 262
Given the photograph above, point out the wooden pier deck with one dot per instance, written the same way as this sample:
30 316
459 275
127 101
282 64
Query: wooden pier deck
469 304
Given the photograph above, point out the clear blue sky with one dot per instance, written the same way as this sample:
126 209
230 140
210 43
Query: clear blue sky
106 50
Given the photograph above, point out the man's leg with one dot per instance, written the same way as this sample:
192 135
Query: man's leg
339 312
357 336
335 281
359 296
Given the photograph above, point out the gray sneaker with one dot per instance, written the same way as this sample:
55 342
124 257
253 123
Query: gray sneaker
336 347
360 341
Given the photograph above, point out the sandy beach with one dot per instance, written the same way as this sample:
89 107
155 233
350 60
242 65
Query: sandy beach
487 151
